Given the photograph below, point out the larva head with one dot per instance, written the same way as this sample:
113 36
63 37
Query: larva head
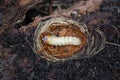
60 39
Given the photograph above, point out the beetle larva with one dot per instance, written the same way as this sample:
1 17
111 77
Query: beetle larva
61 41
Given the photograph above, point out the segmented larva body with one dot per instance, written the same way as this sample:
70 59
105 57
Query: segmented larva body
62 41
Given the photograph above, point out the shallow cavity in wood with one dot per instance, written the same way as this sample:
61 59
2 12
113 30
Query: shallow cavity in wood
61 30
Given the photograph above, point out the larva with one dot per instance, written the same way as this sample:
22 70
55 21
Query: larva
61 41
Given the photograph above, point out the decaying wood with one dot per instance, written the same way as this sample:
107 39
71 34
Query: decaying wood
17 60
81 7
14 12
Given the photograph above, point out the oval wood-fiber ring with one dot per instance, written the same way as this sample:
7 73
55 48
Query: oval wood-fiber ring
60 39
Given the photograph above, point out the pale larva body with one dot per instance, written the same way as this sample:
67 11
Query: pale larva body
62 41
